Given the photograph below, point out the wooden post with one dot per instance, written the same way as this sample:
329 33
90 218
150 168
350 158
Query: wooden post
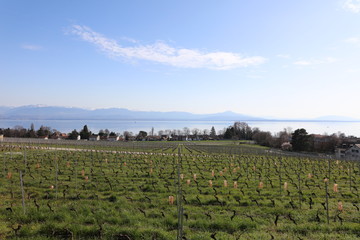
56 178
327 199
22 192
280 180
299 183
4 163
24 159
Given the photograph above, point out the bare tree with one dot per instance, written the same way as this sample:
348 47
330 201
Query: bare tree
195 131
263 138
186 131
205 132
285 135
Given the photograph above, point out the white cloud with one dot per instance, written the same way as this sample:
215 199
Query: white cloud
303 63
129 39
352 5
315 61
31 47
161 52
354 40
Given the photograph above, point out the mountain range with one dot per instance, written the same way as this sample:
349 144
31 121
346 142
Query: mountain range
42 112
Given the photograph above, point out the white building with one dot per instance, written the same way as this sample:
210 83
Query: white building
113 138
353 152
94 138
340 152
350 153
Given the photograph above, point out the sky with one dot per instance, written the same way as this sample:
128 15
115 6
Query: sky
264 58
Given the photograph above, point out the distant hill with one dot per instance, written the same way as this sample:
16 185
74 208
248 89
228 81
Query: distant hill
39 112
4 109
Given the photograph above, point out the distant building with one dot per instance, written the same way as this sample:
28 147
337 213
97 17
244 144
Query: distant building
94 138
166 137
178 138
324 143
340 152
351 153
153 138
193 138
58 136
131 138
113 138
1 137
320 141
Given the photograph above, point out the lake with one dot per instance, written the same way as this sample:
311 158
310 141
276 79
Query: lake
119 126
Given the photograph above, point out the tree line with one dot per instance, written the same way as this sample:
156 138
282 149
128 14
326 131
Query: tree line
298 140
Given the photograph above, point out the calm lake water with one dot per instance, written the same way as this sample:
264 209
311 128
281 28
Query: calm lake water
349 128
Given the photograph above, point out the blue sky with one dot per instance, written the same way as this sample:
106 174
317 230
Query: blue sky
278 58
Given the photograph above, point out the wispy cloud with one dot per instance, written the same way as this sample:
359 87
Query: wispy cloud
353 40
352 5
130 40
315 61
31 47
161 52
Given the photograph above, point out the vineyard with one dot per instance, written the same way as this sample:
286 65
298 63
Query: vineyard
165 190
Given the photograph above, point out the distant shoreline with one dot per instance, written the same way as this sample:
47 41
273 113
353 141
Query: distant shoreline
350 128
174 120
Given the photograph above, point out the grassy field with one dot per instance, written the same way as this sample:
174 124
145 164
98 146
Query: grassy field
162 190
